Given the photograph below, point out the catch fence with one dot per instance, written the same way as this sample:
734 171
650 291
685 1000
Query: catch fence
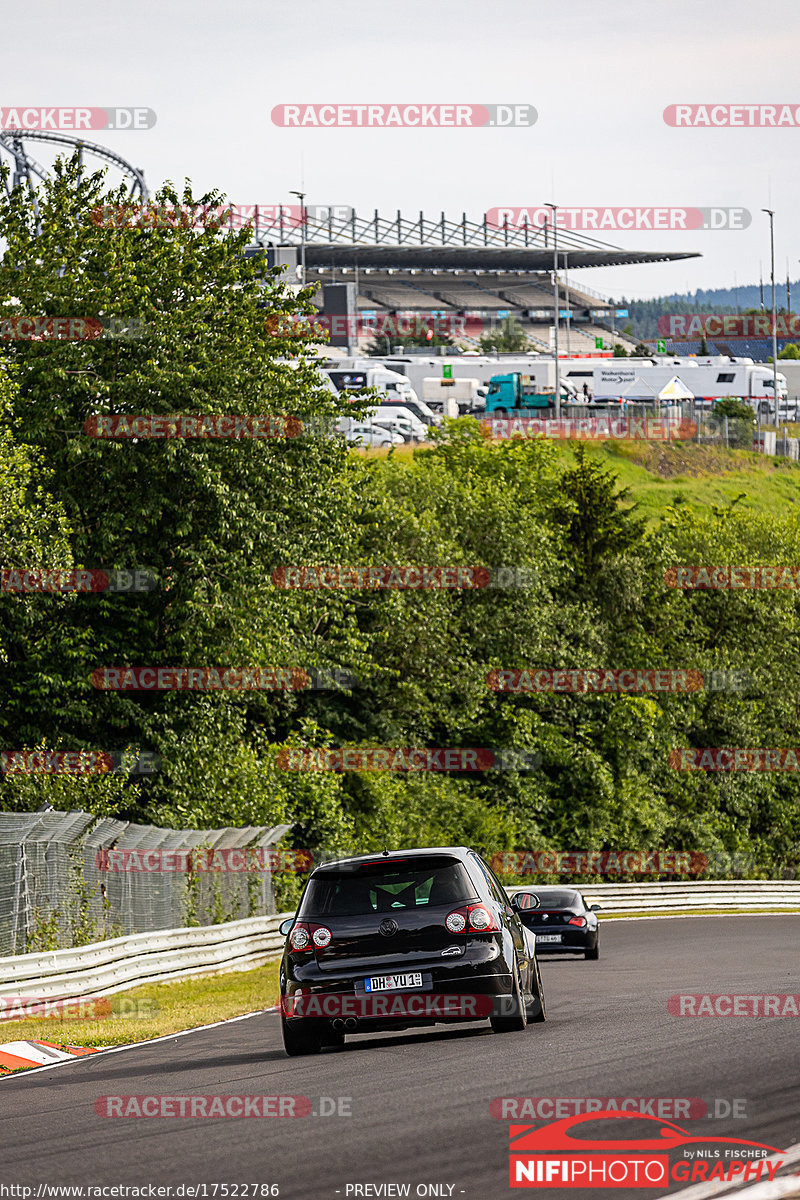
57 891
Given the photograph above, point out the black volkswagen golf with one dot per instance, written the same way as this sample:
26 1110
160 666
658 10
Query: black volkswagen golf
561 919
407 938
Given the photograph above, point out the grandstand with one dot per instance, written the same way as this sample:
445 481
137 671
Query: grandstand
404 267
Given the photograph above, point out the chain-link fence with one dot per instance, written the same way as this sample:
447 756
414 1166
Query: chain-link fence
687 421
59 887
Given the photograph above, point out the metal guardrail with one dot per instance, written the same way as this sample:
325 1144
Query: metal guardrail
751 894
103 968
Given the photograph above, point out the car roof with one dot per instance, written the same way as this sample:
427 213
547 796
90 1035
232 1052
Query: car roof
459 852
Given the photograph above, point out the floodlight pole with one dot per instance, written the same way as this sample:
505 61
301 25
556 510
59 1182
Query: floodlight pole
771 213
302 198
555 312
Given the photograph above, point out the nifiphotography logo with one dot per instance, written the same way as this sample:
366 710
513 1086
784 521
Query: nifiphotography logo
563 1155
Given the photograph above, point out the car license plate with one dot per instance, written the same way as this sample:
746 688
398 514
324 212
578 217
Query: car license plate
391 983
548 937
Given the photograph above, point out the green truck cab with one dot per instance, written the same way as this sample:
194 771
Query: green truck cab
519 393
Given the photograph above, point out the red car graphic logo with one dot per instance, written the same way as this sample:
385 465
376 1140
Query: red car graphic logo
558 1137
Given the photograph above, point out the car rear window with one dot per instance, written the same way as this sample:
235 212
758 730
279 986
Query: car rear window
549 900
375 888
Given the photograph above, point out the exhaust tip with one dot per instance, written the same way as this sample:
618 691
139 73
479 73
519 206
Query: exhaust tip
338 1024
351 1023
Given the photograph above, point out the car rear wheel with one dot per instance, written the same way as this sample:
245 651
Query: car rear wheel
299 1039
514 1015
536 1009
594 952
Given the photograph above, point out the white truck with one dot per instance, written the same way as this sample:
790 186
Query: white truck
452 396
642 382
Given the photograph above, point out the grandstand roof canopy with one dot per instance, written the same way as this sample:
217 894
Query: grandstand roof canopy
422 243
482 258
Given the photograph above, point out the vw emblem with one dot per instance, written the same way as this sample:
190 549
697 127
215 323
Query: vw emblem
388 927
545 916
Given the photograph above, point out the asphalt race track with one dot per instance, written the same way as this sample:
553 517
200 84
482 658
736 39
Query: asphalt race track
420 1101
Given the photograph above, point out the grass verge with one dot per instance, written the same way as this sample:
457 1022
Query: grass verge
167 1008
662 475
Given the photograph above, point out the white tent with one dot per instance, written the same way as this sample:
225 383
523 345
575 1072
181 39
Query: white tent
676 389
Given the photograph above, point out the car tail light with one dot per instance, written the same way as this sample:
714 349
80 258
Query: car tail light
300 938
472 918
481 919
581 921
306 935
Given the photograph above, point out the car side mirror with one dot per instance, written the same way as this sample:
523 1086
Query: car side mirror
595 907
515 904
285 926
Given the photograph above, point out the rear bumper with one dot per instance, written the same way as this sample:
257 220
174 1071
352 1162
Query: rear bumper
455 991
573 942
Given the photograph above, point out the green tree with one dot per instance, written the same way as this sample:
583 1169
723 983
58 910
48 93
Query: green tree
729 406
382 345
588 508
509 338
790 350
212 519
620 351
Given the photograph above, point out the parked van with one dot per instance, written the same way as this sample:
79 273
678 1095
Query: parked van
389 416
356 379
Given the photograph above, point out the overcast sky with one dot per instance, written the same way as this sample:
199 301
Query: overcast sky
599 76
